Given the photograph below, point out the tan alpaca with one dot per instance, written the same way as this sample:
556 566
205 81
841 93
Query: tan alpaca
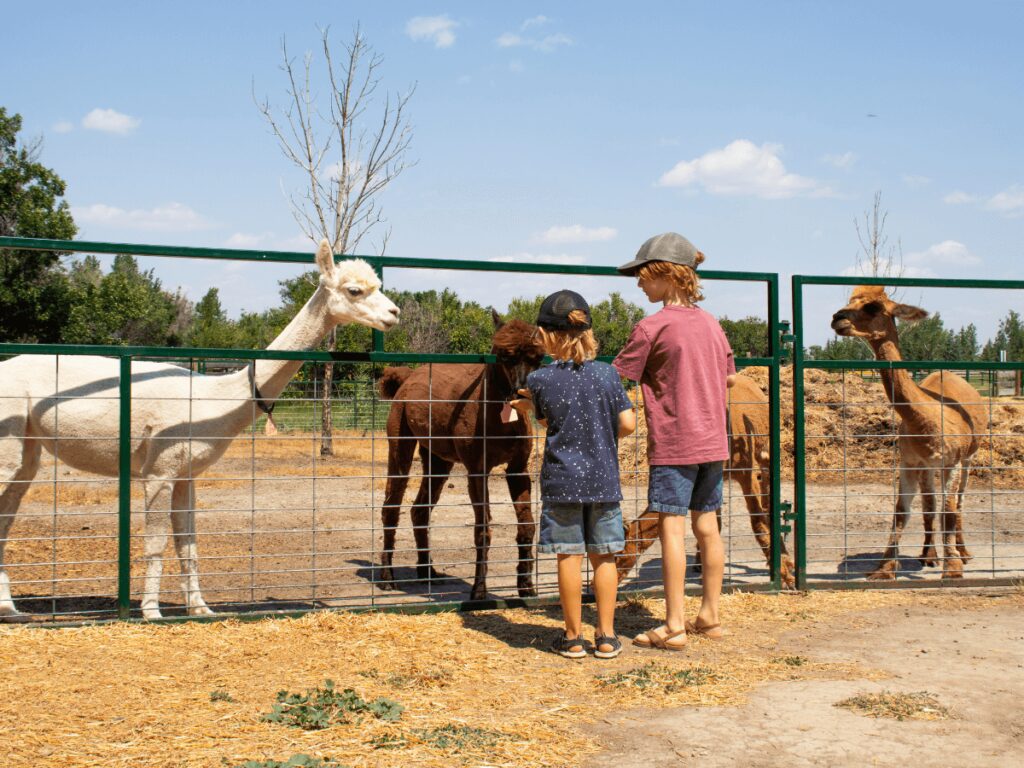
181 422
749 463
941 422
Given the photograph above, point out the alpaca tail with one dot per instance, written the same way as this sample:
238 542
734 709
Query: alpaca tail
392 379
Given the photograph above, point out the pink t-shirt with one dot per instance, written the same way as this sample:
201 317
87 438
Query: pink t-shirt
681 357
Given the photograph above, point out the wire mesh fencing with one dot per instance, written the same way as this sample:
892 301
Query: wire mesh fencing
917 483
236 511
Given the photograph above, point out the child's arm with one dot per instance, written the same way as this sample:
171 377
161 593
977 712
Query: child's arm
525 404
627 422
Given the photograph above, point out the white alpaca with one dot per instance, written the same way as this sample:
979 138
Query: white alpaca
181 422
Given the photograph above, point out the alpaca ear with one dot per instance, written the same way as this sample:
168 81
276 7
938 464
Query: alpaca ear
498 322
908 313
325 258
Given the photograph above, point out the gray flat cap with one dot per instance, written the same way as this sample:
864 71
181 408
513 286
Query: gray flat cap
667 247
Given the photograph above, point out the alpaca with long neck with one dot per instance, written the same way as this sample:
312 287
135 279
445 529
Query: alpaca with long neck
941 423
181 424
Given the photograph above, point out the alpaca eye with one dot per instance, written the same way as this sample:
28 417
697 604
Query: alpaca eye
872 307
355 291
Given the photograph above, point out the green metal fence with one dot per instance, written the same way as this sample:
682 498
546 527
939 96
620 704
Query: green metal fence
125 594
858 469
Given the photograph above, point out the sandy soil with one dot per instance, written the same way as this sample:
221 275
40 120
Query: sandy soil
971 660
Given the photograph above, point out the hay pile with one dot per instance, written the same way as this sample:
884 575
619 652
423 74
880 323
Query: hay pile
194 694
851 432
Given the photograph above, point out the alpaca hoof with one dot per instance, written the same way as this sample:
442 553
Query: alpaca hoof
965 556
929 558
885 573
526 589
478 593
150 614
954 570
430 574
200 610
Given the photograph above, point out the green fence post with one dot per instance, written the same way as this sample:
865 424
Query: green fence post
777 352
124 492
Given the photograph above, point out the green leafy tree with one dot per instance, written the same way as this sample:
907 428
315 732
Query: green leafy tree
747 337
210 325
927 339
841 348
33 284
128 306
614 319
1009 337
963 345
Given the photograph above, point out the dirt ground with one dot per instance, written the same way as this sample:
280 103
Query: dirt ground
971 660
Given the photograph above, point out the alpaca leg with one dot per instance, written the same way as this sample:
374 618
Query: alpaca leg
19 462
639 535
481 530
183 522
953 566
401 448
435 474
155 538
886 569
519 486
928 554
965 470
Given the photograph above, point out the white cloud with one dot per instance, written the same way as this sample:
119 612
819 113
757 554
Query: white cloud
958 198
524 257
63 126
440 30
576 233
110 121
516 66
948 252
536 21
845 160
172 216
1009 202
915 180
743 168
547 43
245 241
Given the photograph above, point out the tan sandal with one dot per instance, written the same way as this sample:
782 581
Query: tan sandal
710 631
660 637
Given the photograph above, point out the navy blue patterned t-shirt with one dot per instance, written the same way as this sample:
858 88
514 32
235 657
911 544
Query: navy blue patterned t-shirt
582 404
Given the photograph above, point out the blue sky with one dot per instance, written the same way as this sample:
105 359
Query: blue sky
560 132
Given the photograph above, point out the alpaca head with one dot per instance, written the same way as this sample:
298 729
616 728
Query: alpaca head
353 292
518 347
871 314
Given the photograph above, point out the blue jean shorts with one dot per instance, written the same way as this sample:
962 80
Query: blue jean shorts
573 528
674 489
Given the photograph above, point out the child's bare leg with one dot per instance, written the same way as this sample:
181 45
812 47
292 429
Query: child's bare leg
672 532
712 552
605 582
570 589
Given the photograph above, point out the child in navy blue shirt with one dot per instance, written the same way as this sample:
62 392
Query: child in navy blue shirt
585 409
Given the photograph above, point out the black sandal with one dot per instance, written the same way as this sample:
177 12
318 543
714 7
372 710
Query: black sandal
612 641
564 646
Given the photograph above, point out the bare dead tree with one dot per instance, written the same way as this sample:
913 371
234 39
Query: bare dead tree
876 257
347 156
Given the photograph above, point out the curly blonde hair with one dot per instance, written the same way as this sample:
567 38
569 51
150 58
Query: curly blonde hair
684 285
577 344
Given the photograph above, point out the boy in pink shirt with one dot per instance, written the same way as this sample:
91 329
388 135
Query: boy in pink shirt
684 364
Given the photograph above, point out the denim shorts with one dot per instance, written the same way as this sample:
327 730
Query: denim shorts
674 489
573 528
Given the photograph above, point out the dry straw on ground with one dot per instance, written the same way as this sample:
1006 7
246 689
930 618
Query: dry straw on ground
194 694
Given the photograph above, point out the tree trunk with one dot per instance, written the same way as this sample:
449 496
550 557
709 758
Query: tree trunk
326 414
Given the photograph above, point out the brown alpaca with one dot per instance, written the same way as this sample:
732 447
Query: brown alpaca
940 427
749 463
453 412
